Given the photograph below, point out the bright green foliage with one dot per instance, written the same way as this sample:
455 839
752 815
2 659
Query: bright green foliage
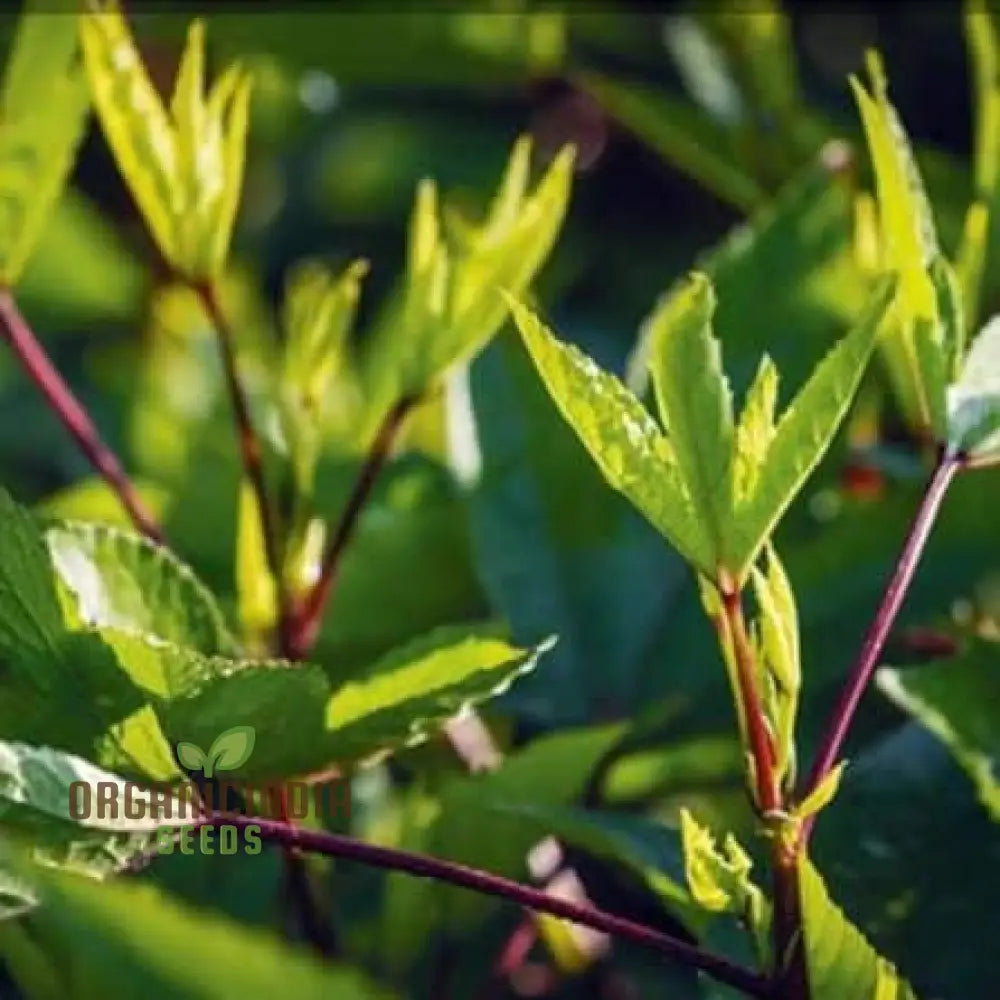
719 880
633 453
909 246
984 53
35 801
841 962
119 580
974 400
184 165
318 315
695 403
956 700
134 941
683 481
450 305
256 590
43 106
776 634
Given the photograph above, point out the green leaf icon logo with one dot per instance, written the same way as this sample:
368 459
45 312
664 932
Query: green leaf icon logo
191 756
230 750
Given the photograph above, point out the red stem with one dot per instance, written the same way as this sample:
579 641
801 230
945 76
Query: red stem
39 368
305 620
249 443
424 866
861 673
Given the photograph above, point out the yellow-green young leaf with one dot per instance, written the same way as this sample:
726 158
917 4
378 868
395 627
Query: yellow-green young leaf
43 110
256 592
134 121
719 880
755 430
778 629
623 439
450 304
185 167
908 240
984 54
806 429
318 315
842 964
822 795
695 403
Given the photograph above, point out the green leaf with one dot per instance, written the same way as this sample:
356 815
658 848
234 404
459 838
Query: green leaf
184 168
121 581
318 315
300 724
822 795
974 400
719 880
841 962
909 247
623 439
956 700
256 592
133 941
420 686
806 429
36 806
450 305
231 750
984 54
44 104
695 403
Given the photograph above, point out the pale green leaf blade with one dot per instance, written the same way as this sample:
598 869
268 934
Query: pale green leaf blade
841 962
234 124
122 581
622 438
135 123
44 106
974 400
40 806
907 224
256 592
417 688
695 403
755 429
807 427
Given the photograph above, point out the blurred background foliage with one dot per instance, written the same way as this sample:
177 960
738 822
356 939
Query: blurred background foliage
704 135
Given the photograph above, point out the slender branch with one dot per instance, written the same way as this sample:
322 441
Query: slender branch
833 740
424 866
305 620
249 442
36 363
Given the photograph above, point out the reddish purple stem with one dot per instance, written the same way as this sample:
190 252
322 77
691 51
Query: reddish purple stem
36 363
